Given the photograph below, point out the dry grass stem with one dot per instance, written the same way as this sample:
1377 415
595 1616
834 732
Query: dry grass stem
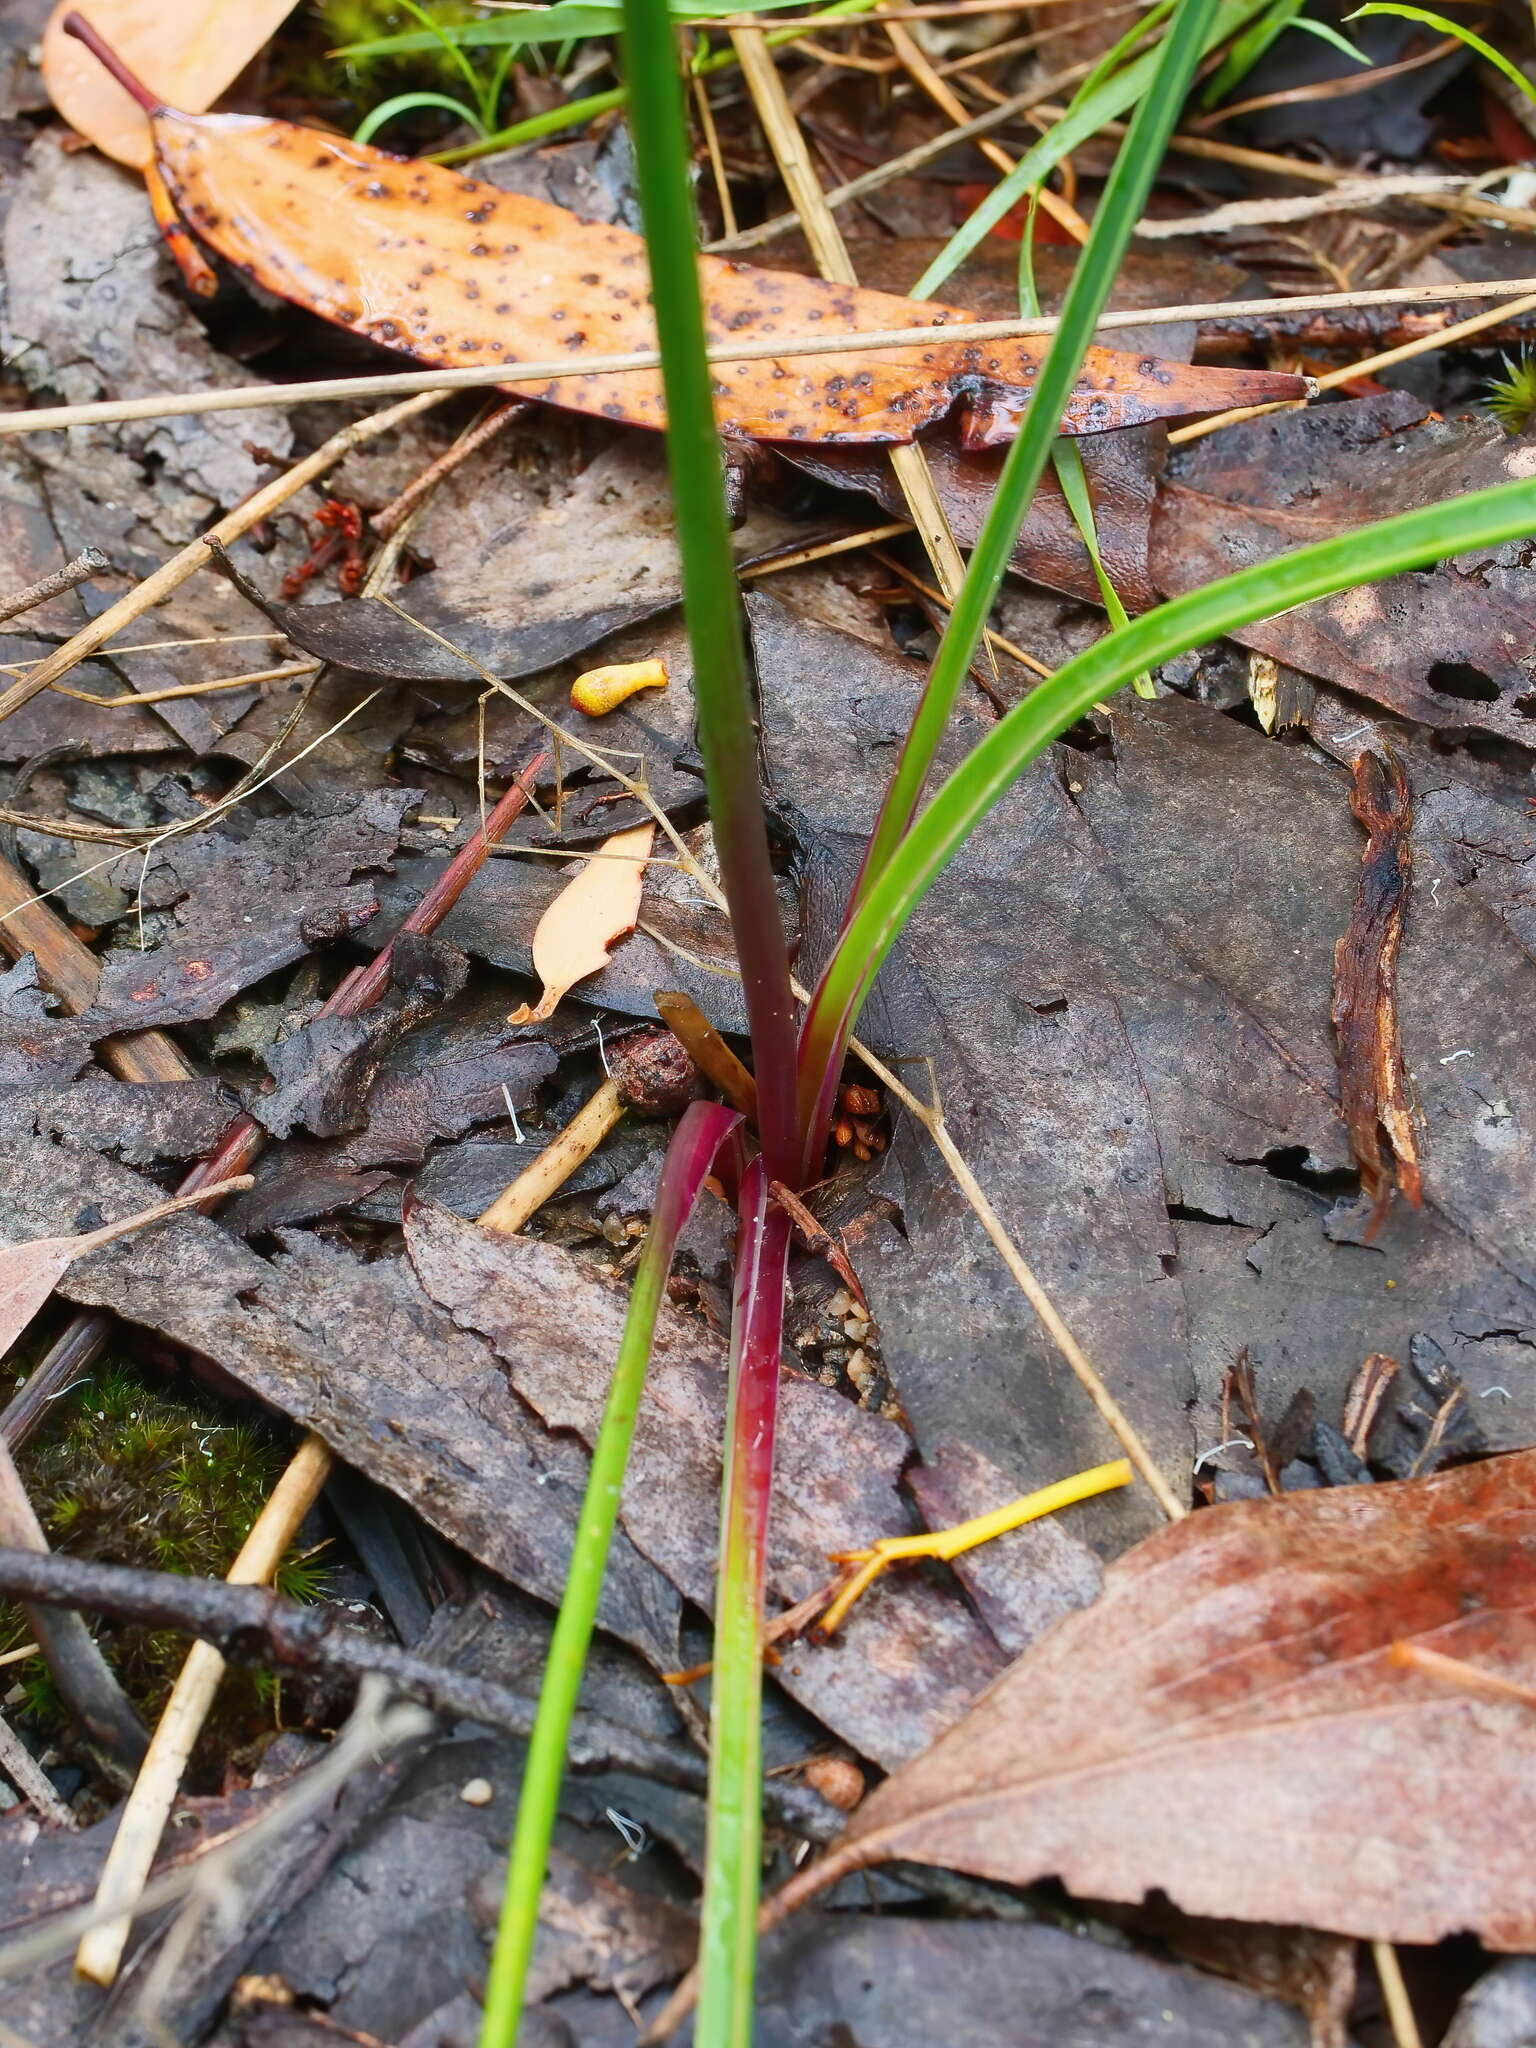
241 397
120 1887
553 1167
172 574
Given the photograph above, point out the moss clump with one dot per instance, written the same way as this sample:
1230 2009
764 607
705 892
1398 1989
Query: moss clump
164 1479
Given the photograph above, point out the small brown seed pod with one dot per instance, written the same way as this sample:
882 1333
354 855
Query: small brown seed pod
860 1101
839 1781
654 1073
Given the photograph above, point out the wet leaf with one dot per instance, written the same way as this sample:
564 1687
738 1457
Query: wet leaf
188 53
1441 646
480 274
597 907
1225 1724
838 1979
299 872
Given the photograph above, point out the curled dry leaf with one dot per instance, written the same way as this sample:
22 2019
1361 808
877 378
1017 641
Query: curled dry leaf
598 906
416 257
187 53
1373 1086
1226 1724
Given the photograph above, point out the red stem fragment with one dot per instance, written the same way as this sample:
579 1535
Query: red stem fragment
77 26
243 1140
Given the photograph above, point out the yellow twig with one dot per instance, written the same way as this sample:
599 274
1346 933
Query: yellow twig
947 1543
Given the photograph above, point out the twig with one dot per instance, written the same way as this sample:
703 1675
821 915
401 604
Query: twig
241 397
144 1817
385 522
553 1167
172 574
88 563
1347 372
30 1779
253 1625
1394 1994
81 1672
909 462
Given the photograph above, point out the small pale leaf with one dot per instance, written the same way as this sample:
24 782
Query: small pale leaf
593 910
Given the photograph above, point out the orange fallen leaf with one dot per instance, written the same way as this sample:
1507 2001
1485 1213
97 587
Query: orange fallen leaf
452 272
186 51
593 909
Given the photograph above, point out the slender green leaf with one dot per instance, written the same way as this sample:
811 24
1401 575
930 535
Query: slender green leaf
565 20
1067 457
1480 519
724 702
1447 27
575 112
409 103
702 1130
1327 33
1248 48
1093 279
1084 119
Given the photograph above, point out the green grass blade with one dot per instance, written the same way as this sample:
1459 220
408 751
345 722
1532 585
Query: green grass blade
1248 48
1480 519
408 103
1085 117
1093 279
733 1858
1447 27
575 112
725 709
1067 457
565 20
702 1130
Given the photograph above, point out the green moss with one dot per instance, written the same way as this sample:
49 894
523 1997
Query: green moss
1512 398
165 1479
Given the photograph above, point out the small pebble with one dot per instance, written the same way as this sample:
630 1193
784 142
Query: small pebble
478 1792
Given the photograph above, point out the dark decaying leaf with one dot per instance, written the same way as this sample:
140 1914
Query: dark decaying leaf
139 1122
1499 2011
1045 1101
1373 1093
324 1072
497 915
840 1979
356 1352
601 555
422 259
98 323
36 1048
1108 947
1443 645
246 906
404 1391
1226 1724
1122 480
